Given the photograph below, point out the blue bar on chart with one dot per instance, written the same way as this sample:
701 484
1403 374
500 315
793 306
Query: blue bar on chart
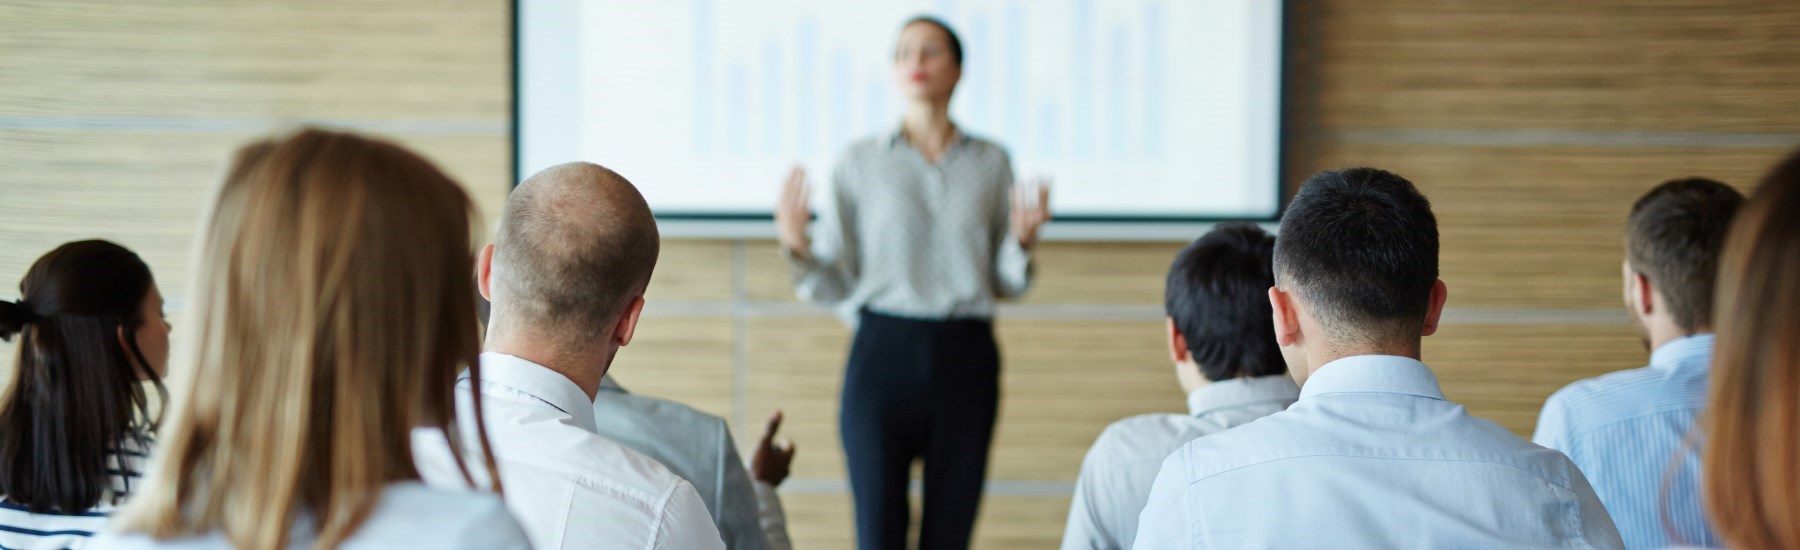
703 77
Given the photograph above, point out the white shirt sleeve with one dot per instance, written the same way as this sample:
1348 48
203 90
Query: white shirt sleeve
1553 425
1597 526
1086 528
1165 521
686 523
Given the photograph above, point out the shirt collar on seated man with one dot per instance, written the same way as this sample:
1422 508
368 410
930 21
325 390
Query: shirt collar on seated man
1373 374
539 382
1690 351
1240 392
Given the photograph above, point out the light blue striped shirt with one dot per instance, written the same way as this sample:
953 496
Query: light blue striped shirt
1625 429
1371 456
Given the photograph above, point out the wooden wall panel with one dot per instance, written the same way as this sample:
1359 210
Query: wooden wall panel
1064 381
1602 65
768 278
1504 372
820 520
797 365
439 62
1101 273
1021 522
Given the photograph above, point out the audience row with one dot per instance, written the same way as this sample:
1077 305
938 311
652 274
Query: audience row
333 388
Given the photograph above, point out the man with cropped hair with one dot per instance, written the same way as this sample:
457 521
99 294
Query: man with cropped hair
1372 455
1227 363
1628 430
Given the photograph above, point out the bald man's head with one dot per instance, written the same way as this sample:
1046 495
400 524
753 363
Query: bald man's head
577 243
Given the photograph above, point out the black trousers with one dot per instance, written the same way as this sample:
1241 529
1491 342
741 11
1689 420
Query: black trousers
918 389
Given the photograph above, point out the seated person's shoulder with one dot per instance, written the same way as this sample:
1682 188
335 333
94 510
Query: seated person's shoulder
413 514
1144 431
1621 395
649 412
1259 441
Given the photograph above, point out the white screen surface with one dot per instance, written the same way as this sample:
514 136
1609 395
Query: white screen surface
1133 109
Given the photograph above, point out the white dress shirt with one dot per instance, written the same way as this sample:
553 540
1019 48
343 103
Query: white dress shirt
409 515
1371 456
1116 475
569 487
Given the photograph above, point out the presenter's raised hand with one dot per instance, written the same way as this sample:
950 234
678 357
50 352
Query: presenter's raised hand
1030 209
793 213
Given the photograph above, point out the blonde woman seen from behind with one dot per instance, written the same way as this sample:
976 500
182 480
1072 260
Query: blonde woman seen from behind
1751 461
330 314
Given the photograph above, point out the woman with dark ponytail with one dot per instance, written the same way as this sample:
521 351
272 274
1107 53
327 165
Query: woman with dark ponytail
75 422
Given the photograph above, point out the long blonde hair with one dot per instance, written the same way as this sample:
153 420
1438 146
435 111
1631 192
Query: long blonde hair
1752 425
332 307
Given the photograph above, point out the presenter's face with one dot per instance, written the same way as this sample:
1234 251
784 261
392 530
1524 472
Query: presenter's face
924 65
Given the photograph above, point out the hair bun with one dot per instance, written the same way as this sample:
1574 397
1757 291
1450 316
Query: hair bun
13 318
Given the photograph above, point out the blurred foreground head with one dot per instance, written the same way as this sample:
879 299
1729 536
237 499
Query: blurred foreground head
331 311
1752 451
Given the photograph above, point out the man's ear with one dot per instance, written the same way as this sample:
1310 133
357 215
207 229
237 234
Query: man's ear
1286 317
1178 348
628 321
1439 294
1645 294
484 272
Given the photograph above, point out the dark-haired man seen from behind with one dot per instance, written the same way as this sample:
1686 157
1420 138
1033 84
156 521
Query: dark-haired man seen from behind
1372 455
1626 429
1217 300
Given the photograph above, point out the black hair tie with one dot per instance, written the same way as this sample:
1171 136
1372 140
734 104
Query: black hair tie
24 311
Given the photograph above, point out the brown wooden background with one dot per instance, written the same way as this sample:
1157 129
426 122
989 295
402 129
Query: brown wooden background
1531 124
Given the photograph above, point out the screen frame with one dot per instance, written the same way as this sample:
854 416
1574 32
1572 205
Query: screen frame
1073 227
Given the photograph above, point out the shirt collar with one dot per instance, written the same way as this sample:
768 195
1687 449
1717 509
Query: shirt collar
1242 392
548 386
896 137
1693 351
1373 374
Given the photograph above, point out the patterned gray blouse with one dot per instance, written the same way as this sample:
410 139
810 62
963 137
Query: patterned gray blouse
906 237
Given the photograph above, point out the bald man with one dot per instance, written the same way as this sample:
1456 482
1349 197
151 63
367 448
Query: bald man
566 278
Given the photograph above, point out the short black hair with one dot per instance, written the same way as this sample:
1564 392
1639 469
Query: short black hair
1360 245
1674 236
1218 295
956 51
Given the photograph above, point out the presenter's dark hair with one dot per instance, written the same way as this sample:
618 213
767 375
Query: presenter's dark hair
1674 236
76 392
1218 295
956 49
1360 245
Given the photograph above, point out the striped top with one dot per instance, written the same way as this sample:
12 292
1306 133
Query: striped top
904 236
23 530
1625 429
